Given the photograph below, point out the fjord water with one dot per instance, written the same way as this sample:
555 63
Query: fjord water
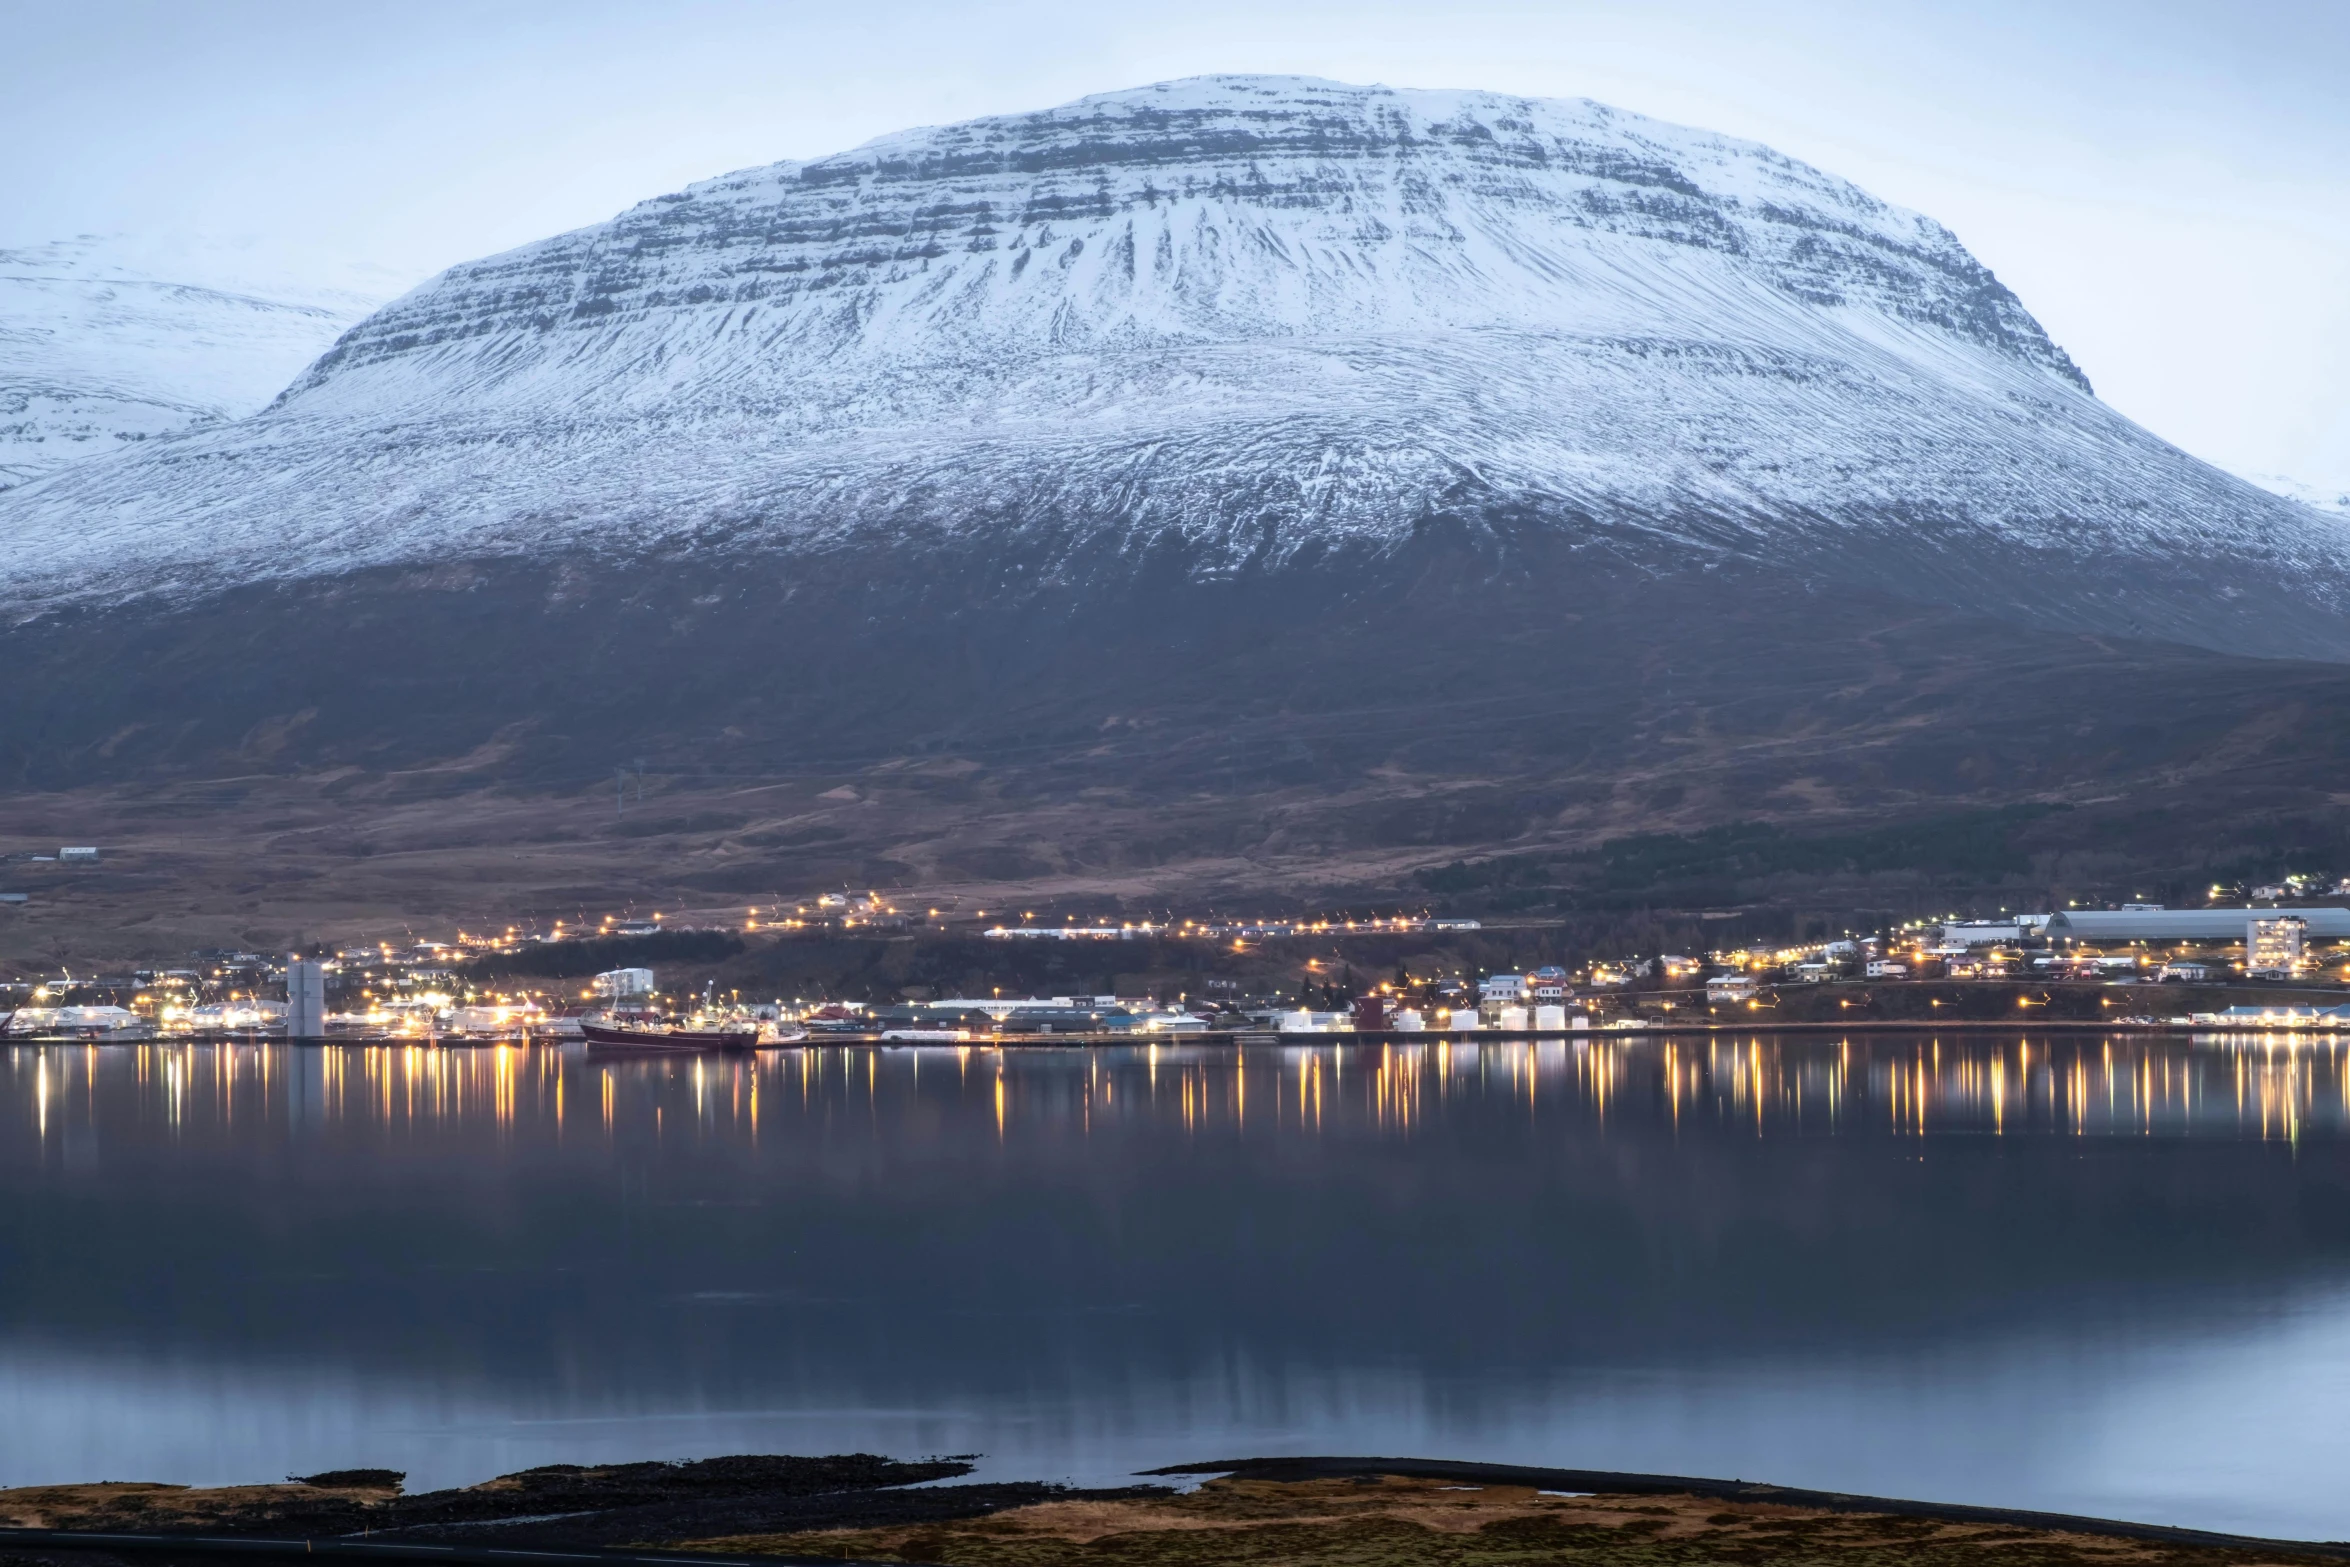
2095 1275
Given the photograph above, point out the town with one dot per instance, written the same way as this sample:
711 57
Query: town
2279 960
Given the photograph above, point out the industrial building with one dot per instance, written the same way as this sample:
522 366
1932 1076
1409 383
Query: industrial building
2176 925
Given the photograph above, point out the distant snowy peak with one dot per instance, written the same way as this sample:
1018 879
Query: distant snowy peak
99 350
1218 209
2336 501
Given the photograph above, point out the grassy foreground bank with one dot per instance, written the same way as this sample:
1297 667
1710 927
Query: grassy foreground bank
1394 1521
1308 1512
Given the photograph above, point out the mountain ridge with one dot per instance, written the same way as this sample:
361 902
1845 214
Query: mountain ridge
102 348
1233 319
2317 497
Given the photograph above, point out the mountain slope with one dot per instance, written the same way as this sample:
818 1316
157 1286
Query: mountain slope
98 351
1235 319
1174 489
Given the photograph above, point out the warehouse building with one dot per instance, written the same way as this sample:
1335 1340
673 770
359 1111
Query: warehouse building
2174 925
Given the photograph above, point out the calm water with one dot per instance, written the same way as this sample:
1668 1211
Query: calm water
2106 1277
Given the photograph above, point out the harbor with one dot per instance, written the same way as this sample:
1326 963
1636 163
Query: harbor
865 970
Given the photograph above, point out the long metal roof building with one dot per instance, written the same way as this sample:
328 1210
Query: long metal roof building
2185 924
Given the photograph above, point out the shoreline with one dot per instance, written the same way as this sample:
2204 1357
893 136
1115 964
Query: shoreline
1602 1482
860 1509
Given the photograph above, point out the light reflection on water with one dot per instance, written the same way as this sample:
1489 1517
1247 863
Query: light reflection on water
2092 1274
2274 1088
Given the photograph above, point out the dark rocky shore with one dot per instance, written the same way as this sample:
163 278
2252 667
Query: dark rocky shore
559 1507
1355 1512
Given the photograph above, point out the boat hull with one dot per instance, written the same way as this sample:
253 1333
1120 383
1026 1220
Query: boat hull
607 1036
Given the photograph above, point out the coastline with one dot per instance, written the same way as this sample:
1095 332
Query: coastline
745 1511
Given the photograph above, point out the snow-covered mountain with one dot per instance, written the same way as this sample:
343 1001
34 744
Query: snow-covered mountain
2332 500
1227 322
101 347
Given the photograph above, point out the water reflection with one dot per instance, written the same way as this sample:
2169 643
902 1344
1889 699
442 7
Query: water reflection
2106 1275
1771 1086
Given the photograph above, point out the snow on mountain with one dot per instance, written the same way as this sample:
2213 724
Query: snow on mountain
1238 317
2327 500
99 349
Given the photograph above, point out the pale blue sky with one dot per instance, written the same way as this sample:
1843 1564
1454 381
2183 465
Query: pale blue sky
2166 184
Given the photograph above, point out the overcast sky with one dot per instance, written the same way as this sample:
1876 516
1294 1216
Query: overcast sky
2165 183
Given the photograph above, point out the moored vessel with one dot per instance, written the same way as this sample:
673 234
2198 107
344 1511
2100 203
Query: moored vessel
655 1035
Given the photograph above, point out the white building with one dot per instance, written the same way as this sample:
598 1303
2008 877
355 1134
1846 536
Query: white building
117 1024
1960 936
617 984
2272 947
